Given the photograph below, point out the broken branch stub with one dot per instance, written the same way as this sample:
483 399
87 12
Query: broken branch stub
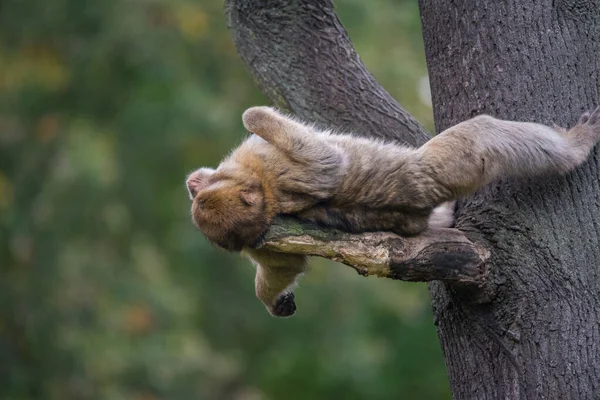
437 254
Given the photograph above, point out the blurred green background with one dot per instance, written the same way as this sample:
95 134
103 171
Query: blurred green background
107 291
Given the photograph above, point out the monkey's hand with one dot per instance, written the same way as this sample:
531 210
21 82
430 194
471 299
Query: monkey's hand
276 275
285 306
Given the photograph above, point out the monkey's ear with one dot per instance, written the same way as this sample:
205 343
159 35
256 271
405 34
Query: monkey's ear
198 180
251 197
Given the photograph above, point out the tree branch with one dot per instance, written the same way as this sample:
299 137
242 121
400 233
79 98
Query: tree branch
303 60
437 254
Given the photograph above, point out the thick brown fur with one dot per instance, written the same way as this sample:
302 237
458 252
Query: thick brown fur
360 185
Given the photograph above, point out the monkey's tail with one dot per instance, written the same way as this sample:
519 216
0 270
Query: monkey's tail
443 215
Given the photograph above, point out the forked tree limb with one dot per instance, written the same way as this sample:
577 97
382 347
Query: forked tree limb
301 57
437 254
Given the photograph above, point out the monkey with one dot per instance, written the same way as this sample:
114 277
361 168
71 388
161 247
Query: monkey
355 184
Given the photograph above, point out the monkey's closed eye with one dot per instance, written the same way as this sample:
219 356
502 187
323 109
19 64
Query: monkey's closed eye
249 197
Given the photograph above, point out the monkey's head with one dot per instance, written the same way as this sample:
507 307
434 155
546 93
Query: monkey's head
230 210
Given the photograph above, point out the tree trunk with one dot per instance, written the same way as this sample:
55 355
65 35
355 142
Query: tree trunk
539 337
533 330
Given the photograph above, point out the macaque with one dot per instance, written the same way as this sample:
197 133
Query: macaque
359 185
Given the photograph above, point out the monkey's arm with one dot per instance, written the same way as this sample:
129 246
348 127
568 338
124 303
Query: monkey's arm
475 152
313 167
276 275
299 141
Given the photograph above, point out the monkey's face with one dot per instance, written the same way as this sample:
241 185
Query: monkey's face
229 211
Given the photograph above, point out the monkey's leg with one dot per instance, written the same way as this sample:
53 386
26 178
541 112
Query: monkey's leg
475 152
276 274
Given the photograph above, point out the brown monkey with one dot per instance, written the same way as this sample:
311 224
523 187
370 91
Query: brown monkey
360 185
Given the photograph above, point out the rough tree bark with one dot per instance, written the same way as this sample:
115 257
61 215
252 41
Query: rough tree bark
540 336
533 329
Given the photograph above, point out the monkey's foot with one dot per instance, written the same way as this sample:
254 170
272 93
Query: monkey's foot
590 121
285 306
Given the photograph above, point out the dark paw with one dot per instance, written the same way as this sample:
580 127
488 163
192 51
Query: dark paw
285 306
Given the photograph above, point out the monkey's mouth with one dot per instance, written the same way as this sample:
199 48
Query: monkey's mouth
259 240
231 244
235 242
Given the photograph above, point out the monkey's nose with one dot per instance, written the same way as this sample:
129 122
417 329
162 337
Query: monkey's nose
198 180
192 186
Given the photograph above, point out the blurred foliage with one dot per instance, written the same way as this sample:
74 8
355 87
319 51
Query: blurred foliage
107 291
